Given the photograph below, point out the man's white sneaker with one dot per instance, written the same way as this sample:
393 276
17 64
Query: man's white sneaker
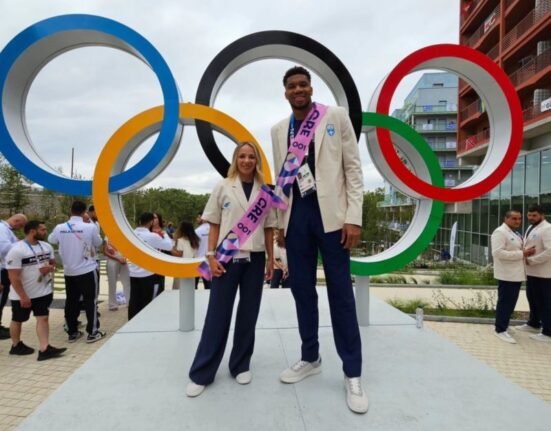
541 337
194 390
504 336
300 370
527 328
356 398
244 378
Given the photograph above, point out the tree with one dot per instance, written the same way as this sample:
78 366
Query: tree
15 189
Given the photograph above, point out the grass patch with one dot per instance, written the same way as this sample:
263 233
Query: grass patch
410 305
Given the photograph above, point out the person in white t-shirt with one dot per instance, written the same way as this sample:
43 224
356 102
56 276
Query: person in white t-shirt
78 242
31 264
145 285
186 243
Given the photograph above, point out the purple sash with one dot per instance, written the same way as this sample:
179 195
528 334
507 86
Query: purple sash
265 200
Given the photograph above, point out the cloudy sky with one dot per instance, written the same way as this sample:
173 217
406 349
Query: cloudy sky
81 97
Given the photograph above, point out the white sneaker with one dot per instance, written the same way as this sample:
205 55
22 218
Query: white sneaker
504 336
194 390
356 398
527 328
244 378
300 370
541 337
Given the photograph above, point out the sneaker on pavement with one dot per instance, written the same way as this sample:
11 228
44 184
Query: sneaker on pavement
75 336
541 337
98 335
527 328
4 333
356 398
244 378
21 349
194 390
50 352
504 336
300 370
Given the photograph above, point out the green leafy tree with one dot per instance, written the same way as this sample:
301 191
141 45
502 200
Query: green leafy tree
14 194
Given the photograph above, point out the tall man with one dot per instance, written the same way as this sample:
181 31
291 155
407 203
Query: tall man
538 271
145 285
31 264
77 247
509 253
7 239
326 216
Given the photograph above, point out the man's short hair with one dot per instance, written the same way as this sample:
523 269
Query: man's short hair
536 209
30 225
296 70
145 218
78 207
509 213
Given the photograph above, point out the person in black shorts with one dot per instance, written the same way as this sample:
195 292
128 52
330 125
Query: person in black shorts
30 264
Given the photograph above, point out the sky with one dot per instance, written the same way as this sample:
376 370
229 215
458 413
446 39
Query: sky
80 98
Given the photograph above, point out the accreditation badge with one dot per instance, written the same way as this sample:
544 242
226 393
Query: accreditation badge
305 180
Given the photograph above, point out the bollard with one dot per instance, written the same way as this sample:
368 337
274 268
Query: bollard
362 300
187 304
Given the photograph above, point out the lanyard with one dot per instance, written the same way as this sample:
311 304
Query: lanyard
33 252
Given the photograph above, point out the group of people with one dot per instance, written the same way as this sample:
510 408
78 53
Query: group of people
324 215
518 258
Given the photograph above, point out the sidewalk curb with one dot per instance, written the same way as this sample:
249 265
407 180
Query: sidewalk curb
456 319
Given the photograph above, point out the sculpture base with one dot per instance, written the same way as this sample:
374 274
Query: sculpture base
415 379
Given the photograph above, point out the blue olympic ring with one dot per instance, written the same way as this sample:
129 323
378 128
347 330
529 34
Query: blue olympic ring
60 34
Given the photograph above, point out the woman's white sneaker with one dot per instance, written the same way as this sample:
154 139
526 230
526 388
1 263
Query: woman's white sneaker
194 390
356 398
300 370
244 378
504 336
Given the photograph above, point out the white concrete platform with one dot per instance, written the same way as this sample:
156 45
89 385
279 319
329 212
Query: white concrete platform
416 380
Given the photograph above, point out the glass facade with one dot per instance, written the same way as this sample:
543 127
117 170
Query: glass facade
528 183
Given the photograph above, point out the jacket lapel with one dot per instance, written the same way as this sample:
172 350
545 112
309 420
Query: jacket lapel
239 194
282 137
319 135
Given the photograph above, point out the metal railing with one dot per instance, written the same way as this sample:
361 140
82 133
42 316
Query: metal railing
471 8
525 24
531 68
473 39
474 141
533 112
450 127
435 108
474 108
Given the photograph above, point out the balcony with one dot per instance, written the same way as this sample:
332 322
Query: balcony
443 146
474 141
429 128
435 109
534 113
447 163
471 111
524 26
476 38
472 11
531 69
493 53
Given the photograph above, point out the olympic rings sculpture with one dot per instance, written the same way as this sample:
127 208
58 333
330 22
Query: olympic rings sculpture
29 51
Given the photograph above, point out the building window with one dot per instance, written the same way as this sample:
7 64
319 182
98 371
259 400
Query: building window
546 171
533 174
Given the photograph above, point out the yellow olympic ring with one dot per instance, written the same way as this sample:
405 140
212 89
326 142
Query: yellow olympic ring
115 154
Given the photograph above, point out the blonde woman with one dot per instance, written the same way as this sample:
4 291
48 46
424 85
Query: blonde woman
254 262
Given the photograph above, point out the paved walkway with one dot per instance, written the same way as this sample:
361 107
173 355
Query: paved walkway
25 383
